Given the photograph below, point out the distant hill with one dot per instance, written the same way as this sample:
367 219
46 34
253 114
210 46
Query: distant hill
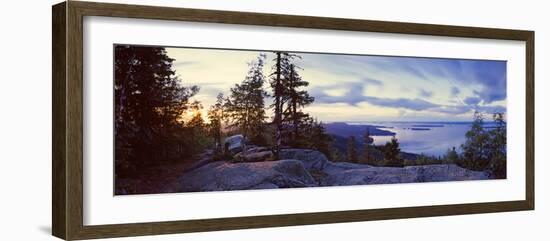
346 130
340 132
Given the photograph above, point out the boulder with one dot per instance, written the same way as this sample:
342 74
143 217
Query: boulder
220 176
312 159
234 144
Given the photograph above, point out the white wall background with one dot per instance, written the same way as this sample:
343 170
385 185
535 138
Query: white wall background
25 119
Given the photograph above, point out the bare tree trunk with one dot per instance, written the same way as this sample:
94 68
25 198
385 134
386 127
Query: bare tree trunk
367 145
294 108
278 108
122 97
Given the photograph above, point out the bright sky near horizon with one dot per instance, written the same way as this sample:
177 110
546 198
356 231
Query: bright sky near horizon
355 88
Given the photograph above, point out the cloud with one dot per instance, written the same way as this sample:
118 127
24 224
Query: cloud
354 96
455 91
492 109
453 109
184 63
487 77
462 109
472 100
372 81
425 93
411 104
492 76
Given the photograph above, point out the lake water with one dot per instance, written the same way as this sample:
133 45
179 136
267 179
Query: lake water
425 137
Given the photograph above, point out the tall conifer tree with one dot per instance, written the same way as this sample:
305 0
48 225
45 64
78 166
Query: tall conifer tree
476 148
246 102
352 152
295 98
216 116
367 140
149 102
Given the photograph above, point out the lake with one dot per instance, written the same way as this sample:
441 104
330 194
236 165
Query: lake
430 138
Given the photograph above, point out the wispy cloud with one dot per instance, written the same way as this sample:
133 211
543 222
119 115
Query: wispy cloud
472 100
455 91
425 93
184 63
355 95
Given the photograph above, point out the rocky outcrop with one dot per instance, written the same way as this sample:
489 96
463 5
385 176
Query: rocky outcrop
306 168
339 174
219 176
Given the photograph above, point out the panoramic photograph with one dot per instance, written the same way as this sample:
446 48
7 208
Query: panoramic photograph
199 119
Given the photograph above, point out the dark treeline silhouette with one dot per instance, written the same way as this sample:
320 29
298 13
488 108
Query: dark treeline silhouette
385 155
149 102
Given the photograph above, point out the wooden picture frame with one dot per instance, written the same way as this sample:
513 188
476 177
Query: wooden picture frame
67 149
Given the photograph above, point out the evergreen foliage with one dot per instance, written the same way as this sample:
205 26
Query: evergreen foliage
352 153
391 153
475 149
295 98
367 140
149 102
497 147
216 116
245 105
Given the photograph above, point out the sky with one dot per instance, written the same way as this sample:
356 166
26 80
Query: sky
361 88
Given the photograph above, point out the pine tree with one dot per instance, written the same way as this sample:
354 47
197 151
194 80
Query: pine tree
146 88
216 116
316 136
476 147
280 75
452 156
149 101
295 99
196 125
368 140
497 147
277 94
391 153
245 105
352 153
